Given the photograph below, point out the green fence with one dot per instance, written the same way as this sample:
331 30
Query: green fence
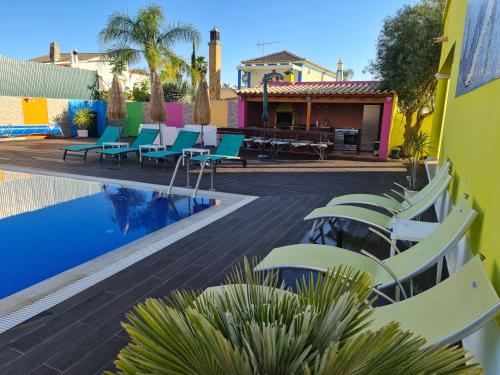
37 80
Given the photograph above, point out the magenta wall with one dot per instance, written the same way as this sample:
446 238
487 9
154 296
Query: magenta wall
385 128
175 114
242 107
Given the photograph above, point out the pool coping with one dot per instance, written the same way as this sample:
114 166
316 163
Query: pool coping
33 300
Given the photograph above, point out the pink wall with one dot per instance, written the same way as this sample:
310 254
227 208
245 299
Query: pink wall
175 114
242 107
385 127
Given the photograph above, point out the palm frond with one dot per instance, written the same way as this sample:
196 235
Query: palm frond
253 325
179 32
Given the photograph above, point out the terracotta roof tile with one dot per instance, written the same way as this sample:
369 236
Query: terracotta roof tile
317 88
277 57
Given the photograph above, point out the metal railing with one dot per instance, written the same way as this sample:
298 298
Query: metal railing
188 172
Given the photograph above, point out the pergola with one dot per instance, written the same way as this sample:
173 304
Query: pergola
315 94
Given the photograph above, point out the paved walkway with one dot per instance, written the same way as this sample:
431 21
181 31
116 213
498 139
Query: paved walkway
83 335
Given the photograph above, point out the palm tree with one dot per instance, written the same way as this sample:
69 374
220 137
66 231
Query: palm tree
147 35
348 74
255 326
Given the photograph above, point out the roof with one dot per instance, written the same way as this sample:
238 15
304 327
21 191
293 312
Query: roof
284 57
317 88
277 57
138 71
67 57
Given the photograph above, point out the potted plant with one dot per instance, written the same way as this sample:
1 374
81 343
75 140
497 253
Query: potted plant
417 146
395 152
83 119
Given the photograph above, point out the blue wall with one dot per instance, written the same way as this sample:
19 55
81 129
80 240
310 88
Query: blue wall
97 106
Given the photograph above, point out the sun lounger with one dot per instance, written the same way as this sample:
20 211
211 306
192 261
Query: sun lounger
145 137
111 134
394 270
185 139
388 202
448 312
373 218
228 149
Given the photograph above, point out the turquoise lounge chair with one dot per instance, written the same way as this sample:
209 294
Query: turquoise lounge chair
185 139
145 137
394 270
442 315
111 134
388 202
228 149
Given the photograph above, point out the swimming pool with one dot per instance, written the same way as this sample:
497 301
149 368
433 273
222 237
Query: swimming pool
50 224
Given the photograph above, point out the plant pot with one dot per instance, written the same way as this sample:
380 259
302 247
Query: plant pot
82 133
394 154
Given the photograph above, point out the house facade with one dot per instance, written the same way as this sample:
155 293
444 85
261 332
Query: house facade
288 67
91 61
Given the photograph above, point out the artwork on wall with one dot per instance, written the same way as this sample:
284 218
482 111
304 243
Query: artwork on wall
480 57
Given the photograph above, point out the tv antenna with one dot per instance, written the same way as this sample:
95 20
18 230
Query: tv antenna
263 45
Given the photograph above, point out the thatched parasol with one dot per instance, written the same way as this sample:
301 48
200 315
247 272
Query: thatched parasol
201 110
116 110
156 111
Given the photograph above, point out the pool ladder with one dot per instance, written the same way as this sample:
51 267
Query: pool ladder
188 172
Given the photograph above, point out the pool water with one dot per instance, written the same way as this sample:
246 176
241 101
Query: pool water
51 224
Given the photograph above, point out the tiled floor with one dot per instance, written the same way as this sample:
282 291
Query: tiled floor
83 335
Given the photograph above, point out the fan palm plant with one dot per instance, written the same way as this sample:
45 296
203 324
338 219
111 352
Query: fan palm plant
147 35
255 326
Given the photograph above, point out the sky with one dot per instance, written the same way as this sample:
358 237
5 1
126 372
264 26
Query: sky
321 31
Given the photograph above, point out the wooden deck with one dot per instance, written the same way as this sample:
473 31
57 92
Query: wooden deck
83 335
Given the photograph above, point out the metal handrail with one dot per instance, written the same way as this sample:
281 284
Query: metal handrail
211 163
181 158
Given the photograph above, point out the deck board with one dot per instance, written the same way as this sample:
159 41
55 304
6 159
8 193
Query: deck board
83 334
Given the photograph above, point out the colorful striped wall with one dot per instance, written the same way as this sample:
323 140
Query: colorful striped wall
27 111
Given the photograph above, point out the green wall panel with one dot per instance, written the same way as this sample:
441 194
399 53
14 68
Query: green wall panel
134 119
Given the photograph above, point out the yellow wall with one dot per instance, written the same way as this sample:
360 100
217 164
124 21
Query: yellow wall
396 137
35 111
471 140
219 113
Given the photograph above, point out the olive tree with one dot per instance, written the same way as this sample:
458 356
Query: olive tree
407 59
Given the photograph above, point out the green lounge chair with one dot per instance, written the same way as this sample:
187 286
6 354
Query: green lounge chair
228 149
185 139
442 315
388 202
448 312
394 270
145 137
111 134
374 218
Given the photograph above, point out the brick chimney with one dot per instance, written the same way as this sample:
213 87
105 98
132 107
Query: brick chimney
340 70
214 64
55 52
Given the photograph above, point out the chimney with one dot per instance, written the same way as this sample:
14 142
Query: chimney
340 70
214 64
74 57
54 52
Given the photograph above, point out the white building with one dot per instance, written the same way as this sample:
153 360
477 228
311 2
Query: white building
91 61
